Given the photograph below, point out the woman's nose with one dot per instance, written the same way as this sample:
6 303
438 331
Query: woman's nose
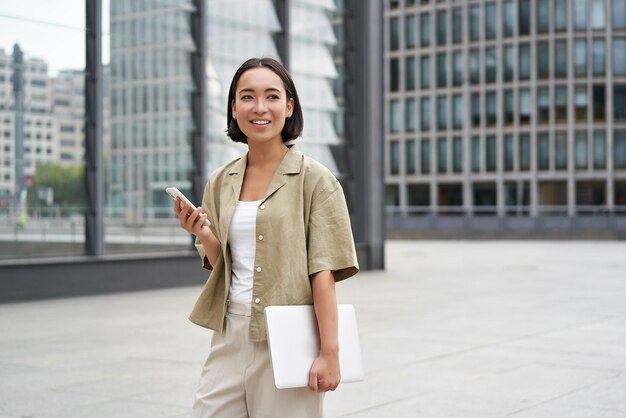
260 106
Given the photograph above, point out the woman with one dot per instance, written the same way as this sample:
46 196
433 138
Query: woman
279 235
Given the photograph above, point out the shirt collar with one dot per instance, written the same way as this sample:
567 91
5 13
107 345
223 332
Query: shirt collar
291 163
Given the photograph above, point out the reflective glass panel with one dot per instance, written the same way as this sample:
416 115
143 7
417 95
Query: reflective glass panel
442 27
508 152
599 102
560 104
394 34
475 105
410 156
457 25
442 113
457 154
543 151
490 65
508 18
425 156
410 35
508 56
457 111
410 73
442 73
580 57
474 66
425 113
490 21
394 115
524 152
580 14
490 103
508 107
619 56
560 15
394 74
524 62
425 72
524 106
543 105
580 150
619 14
457 68
599 57
475 154
490 151
619 102
524 17
474 23
619 148
599 150
597 14
560 59
425 29
410 111
543 16
580 103
560 150
394 157
543 60
442 155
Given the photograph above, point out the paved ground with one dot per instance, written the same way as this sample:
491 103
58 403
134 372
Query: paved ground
450 329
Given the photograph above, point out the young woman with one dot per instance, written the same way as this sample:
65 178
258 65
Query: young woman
279 235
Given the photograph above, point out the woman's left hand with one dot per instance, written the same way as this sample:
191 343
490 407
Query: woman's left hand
324 374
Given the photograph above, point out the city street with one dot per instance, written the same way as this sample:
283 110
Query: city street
463 329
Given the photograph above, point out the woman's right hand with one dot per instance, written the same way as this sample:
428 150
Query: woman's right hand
192 221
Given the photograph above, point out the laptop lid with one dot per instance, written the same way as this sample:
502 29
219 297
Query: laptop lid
293 339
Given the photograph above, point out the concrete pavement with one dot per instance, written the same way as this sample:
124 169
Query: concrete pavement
451 329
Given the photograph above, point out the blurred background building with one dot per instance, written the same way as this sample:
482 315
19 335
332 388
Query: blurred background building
505 116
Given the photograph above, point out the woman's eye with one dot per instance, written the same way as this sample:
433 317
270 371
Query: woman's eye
274 97
246 97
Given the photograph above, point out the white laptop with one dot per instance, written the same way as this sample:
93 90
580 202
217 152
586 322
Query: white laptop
293 338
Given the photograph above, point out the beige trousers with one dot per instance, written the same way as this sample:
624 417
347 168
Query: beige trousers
237 379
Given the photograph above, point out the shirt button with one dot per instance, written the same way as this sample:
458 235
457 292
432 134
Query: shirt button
258 269
262 207
260 237
257 300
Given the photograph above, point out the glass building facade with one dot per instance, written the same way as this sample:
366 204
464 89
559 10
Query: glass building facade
520 106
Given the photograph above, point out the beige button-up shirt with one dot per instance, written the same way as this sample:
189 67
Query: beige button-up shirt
305 226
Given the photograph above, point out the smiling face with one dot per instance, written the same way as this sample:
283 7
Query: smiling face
261 106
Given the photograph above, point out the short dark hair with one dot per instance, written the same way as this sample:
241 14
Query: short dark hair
293 125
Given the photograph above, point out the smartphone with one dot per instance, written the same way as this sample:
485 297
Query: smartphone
174 193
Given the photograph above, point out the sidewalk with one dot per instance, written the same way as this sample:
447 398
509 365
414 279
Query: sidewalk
450 329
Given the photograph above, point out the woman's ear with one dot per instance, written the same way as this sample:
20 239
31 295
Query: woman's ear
232 110
290 106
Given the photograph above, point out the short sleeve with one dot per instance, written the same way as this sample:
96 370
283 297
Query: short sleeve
330 243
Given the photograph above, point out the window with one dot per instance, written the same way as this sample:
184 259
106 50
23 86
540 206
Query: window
418 194
410 155
394 157
508 107
410 37
394 74
490 151
597 14
524 152
457 154
524 62
425 72
409 73
394 34
457 25
619 56
474 66
543 60
543 105
442 74
560 59
442 29
424 29
619 102
410 112
560 15
508 18
442 113
425 114
599 59
524 17
580 57
619 148
490 65
442 155
619 14
580 103
490 21
524 107
508 58
599 150
425 156
476 154
580 150
543 16
394 115
508 152
560 104
599 102
474 23
580 14
457 111
475 109
392 195
560 150
543 151
457 68
490 99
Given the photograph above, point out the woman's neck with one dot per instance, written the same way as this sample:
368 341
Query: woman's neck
266 154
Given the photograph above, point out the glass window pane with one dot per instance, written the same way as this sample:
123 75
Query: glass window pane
392 195
490 21
410 72
442 73
410 111
543 60
394 157
410 155
425 29
474 23
457 68
560 150
457 111
543 151
442 155
394 34
580 103
508 56
425 113
580 150
490 157
619 14
524 152
475 154
524 17
524 106
619 56
508 152
425 156
490 65
599 150
560 59
475 109
457 154
457 25
410 35
543 105
508 107
597 14
543 16
394 115
394 74
490 99
524 62
442 113
619 102
442 27
580 57
560 15
425 72
619 148
599 102
560 104
474 66
508 18
580 14
599 58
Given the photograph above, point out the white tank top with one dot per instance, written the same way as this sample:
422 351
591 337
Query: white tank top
242 242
